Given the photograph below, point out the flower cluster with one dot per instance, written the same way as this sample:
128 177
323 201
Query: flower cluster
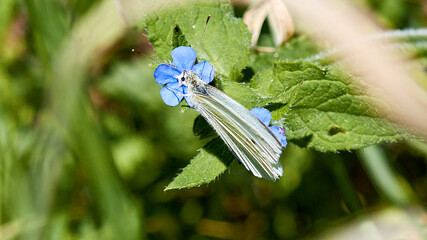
265 116
172 76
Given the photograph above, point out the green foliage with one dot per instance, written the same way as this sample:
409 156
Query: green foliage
227 51
397 190
48 35
327 112
330 112
296 48
396 13
212 160
5 14
87 145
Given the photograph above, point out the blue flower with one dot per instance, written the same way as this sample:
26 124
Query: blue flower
172 76
265 116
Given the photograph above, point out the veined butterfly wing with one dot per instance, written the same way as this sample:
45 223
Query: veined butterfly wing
245 135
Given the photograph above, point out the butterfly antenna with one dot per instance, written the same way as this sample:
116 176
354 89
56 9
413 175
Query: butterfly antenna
203 34
155 60
140 53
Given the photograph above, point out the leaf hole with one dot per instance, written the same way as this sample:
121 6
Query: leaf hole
178 38
247 73
275 106
335 130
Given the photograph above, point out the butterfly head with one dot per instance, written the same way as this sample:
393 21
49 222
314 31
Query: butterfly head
188 78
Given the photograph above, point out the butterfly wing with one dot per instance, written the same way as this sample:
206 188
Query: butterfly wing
245 135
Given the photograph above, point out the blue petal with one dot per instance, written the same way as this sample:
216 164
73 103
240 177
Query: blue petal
187 99
179 88
205 71
262 114
172 94
279 133
183 57
166 74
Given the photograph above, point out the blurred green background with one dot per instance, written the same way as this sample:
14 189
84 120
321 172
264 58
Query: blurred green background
87 146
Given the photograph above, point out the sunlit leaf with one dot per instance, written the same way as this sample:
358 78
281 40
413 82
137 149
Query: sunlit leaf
330 113
212 160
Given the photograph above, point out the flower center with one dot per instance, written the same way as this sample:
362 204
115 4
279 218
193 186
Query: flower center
182 78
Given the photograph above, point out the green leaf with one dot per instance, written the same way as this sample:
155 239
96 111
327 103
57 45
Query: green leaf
295 49
330 112
225 43
212 160
247 96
